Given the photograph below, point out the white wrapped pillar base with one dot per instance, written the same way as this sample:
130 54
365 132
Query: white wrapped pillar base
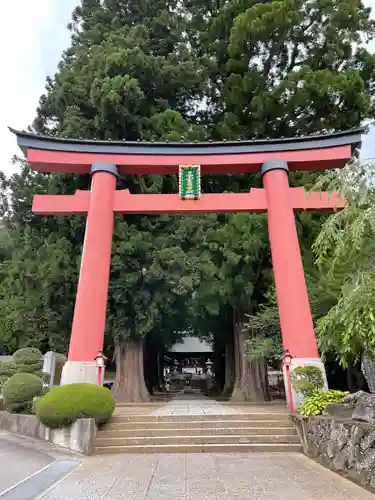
80 371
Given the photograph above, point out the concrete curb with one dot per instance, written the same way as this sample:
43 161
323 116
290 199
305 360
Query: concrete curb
78 438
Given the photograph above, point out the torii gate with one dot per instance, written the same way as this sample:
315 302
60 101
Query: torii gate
106 160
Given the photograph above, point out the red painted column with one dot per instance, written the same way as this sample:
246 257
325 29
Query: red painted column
91 301
294 308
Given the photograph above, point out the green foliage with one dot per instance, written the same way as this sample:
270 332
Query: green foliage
264 347
263 332
65 404
39 272
7 368
28 356
317 402
306 379
27 360
19 391
344 250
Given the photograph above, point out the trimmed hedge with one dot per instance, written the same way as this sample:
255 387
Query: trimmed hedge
19 390
65 404
28 360
7 369
28 356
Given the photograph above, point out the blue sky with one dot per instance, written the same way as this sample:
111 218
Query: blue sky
34 34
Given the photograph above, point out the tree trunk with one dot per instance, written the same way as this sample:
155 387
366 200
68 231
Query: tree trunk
251 377
130 384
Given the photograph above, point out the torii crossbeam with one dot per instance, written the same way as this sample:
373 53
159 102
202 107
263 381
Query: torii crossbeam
126 203
106 160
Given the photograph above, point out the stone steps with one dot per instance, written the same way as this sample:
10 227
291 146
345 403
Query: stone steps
248 432
194 424
168 430
202 448
269 417
200 440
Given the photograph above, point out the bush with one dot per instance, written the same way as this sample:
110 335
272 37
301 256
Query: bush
307 379
64 405
3 379
28 356
28 360
19 391
317 402
7 369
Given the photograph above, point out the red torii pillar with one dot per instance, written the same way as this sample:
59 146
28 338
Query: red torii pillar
91 300
291 290
292 297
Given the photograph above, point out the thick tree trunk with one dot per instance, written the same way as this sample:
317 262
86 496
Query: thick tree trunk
130 384
251 377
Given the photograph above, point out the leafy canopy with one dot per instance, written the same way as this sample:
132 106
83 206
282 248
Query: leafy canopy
344 249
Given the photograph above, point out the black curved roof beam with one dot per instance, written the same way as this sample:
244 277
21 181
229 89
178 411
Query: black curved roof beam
315 152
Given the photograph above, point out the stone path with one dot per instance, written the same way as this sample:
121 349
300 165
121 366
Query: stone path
191 404
204 477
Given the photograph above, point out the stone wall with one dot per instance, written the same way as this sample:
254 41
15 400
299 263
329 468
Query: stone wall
79 437
342 445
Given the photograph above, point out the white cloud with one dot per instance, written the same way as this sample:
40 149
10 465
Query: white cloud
32 36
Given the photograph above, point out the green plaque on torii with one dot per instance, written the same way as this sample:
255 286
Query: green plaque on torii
189 182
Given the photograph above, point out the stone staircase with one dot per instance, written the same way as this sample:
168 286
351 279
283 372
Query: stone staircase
242 432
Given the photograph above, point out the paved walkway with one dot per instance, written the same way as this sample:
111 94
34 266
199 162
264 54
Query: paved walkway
16 462
204 477
192 404
28 467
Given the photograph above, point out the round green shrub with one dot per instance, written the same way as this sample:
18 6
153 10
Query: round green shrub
65 404
27 356
28 360
19 390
